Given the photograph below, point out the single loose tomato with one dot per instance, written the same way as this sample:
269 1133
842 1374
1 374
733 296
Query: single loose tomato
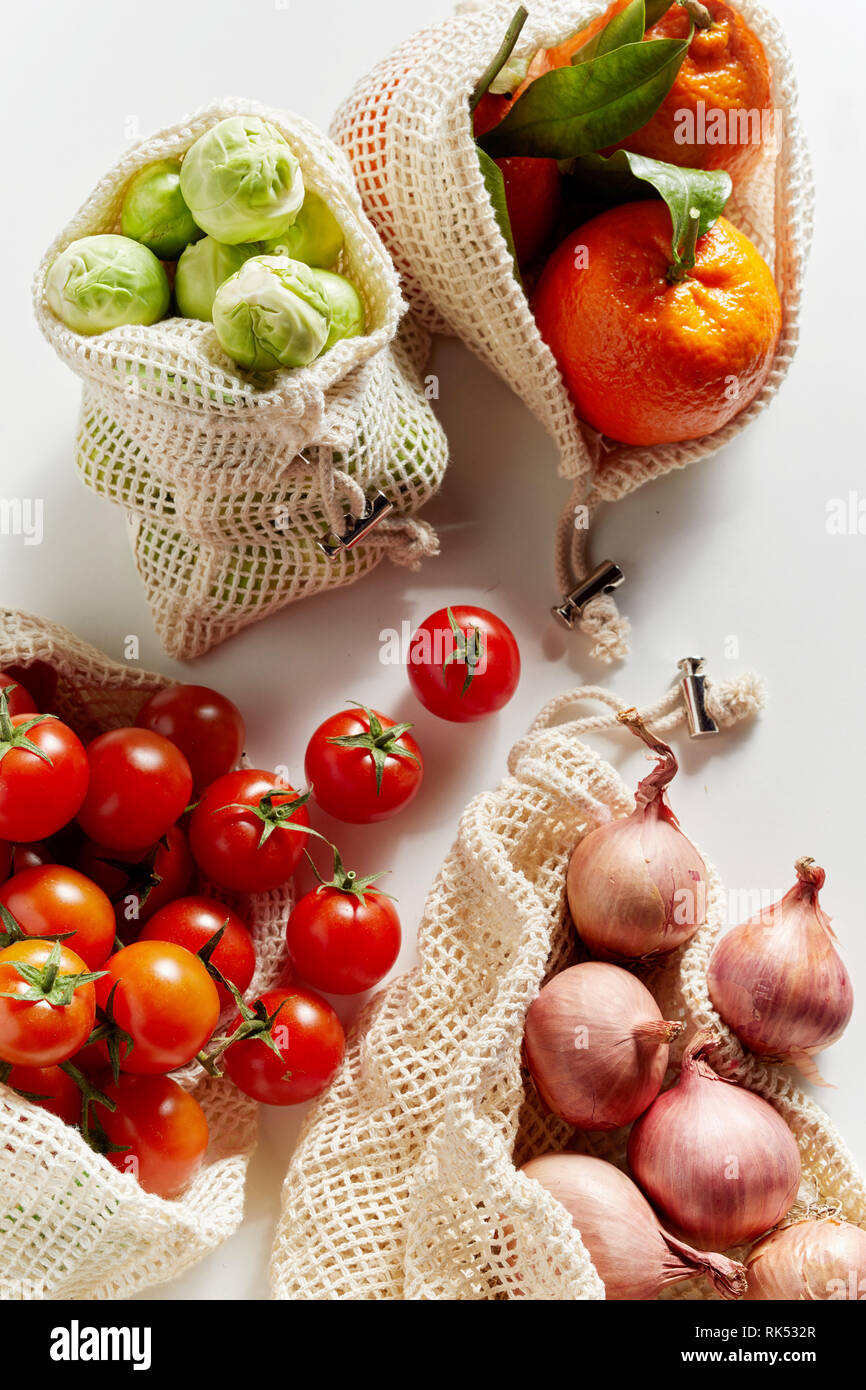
140 881
310 1043
51 899
206 727
247 833
47 1003
193 922
19 700
39 679
50 1088
161 1128
362 766
140 784
463 663
164 1000
344 936
43 774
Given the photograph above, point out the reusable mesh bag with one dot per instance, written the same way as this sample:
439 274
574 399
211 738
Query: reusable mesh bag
71 1225
230 478
407 131
405 1176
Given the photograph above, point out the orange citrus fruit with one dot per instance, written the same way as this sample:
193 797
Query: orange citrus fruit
533 187
648 361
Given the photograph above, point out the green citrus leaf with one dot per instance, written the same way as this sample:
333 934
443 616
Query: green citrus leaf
654 11
496 191
625 27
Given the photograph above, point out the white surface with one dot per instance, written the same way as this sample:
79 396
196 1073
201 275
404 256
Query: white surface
737 548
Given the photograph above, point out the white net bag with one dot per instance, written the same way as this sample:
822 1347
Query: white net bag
231 479
71 1225
407 130
406 1172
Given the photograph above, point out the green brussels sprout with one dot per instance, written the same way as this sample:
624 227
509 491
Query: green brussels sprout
315 237
272 313
241 181
348 317
101 282
155 213
201 270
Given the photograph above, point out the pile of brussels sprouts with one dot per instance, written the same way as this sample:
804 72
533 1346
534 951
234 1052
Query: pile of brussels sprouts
254 253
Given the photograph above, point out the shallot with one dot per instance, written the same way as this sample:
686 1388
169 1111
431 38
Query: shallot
778 981
597 1046
716 1160
637 887
635 1257
812 1260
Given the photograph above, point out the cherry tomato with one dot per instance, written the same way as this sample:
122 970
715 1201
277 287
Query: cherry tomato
165 1000
310 1041
139 785
363 767
19 700
247 834
5 860
39 680
140 881
191 922
206 727
45 1023
161 1127
43 775
463 663
52 899
50 1088
344 936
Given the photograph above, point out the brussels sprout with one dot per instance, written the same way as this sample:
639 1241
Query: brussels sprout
202 269
155 213
314 237
348 317
101 282
272 313
241 181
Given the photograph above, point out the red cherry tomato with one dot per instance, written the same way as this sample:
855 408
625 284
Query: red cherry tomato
52 899
161 1127
19 700
50 1088
140 784
248 835
39 680
43 775
463 663
140 881
362 766
191 922
165 1000
41 1031
310 1041
5 860
344 936
206 727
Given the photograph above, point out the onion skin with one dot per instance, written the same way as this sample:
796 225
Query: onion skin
637 887
597 1046
634 1256
778 981
814 1261
717 1162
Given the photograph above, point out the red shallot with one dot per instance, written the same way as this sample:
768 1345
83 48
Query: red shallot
634 1256
716 1160
778 981
597 1046
637 886
812 1260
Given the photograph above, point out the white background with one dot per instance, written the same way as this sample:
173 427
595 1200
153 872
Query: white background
737 547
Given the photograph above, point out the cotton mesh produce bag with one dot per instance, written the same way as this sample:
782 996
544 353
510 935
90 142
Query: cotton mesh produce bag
407 130
71 1225
405 1176
230 479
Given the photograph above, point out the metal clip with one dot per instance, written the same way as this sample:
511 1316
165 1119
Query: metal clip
693 686
376 509
603 580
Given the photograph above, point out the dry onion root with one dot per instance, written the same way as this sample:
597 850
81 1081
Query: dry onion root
716 1160
812 1260
597 1046
634 1256
637 887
